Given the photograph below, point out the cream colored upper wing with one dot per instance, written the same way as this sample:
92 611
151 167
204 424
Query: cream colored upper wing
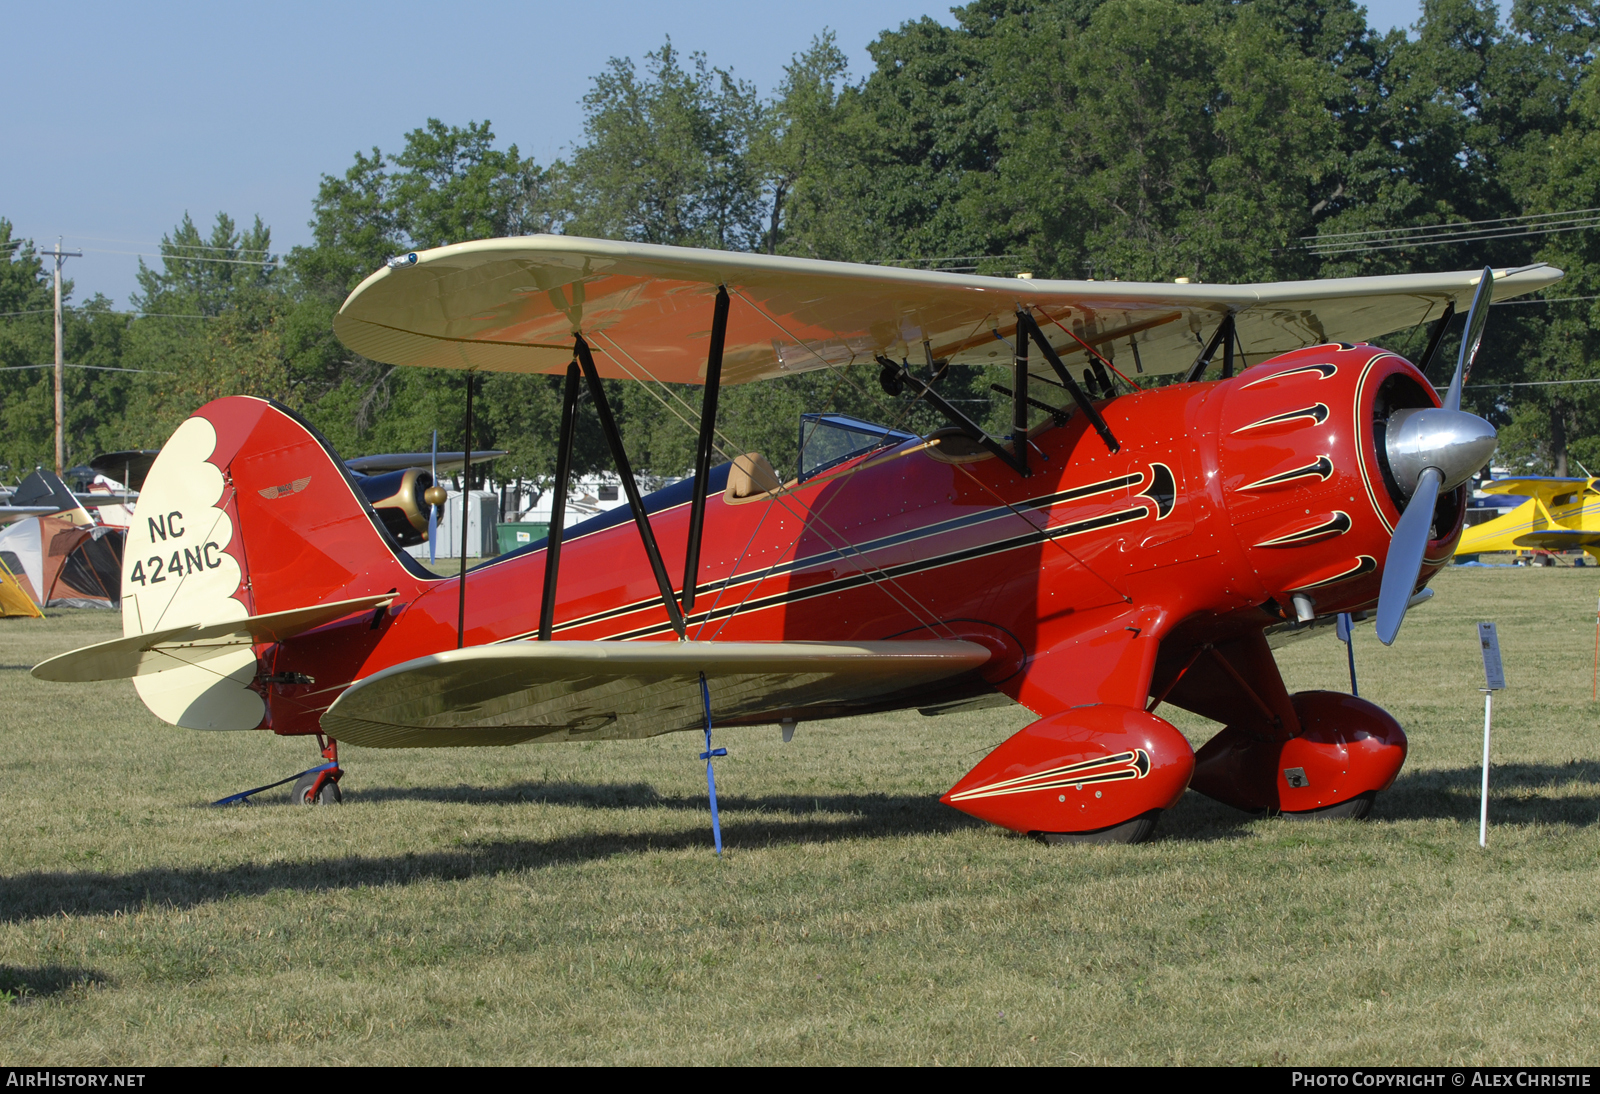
513 305
563 691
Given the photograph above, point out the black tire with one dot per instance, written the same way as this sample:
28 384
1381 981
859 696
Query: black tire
1356 808
329 794
1136 830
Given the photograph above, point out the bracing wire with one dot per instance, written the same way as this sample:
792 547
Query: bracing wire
783 497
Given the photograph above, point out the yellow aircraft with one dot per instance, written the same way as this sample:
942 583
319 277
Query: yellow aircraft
1560 514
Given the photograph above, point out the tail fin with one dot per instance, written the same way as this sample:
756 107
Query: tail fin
245 512
43 488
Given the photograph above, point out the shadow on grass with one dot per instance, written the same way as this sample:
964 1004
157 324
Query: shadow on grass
1518 794
43 981
817 819
1566 793
1521 793
636 795
1199 819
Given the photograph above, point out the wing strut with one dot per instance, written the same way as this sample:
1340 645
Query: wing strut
1020 401
1223 337
1425 362
466 521
619 456
558 504
1027 328
702 456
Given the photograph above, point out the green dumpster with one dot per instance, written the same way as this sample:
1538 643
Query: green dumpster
519 534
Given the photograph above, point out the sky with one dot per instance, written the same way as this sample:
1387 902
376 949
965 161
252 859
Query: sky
120 117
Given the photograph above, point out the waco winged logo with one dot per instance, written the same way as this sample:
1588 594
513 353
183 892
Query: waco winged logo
273 492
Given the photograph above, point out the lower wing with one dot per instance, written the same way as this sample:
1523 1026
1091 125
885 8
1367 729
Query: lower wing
559 691
1558 539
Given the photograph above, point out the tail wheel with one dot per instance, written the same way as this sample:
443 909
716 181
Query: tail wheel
307 791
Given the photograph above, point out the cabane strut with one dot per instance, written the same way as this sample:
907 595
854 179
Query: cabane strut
1027 328
1225 336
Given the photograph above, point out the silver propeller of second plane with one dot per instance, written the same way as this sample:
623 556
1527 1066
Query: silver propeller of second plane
1431 449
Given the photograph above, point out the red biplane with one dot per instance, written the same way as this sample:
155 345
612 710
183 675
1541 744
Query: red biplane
1120 549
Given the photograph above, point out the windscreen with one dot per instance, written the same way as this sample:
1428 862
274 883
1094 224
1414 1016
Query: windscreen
830 439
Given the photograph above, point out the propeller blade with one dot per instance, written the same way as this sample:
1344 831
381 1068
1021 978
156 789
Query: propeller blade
1404 564
1471 337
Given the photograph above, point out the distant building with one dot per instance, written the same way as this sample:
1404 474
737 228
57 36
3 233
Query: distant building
529 510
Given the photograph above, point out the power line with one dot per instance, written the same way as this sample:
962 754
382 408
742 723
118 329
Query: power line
1527 383
109 311
186 258
1543 300
1433 235
1446 239
169 243
95 368
1449 224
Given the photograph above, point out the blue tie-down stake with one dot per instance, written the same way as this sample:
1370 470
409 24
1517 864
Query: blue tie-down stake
711 776
1343 629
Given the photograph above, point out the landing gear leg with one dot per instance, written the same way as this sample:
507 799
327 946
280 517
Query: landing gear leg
320 785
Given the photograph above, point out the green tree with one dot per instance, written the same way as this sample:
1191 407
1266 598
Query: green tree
201 275
208 325
1555 344
92 335
447 184
801 152
667 157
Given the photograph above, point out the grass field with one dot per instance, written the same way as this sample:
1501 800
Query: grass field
561 904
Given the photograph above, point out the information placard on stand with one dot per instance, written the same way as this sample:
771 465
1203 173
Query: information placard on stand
1494 678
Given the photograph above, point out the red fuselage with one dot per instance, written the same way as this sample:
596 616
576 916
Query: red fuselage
1224 501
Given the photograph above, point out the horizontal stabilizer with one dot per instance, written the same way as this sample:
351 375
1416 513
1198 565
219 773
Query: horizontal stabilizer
559 691
175 647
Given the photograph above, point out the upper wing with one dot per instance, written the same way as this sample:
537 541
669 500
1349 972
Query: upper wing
129 468
558 691
404 461
1545 489
9 513
513 305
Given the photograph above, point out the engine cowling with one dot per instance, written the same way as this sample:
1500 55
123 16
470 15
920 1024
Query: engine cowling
397 497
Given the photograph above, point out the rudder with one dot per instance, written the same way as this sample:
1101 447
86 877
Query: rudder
246 511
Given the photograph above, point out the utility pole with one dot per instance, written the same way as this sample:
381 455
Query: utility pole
61 449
